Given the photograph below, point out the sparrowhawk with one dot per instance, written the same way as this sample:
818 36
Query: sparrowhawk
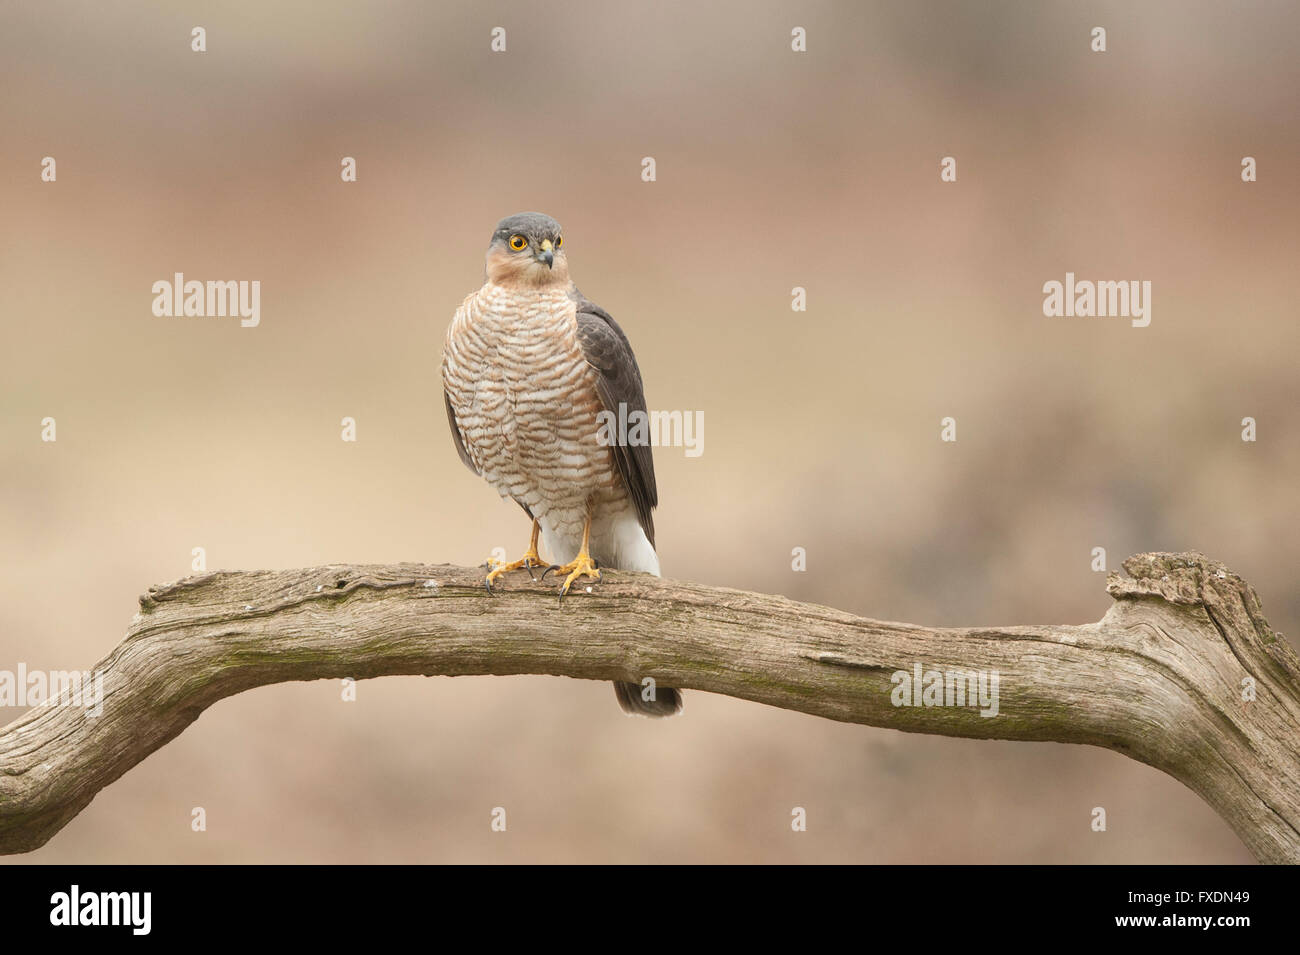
528 365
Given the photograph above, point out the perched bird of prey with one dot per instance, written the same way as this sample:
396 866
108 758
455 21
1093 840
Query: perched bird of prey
528 365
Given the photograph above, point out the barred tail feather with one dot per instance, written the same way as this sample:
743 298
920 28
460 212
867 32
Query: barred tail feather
631 549
667 701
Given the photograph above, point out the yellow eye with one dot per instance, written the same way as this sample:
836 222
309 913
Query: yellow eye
518 242
559 241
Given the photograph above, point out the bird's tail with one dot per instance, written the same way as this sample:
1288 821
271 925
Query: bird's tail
632 550
632 697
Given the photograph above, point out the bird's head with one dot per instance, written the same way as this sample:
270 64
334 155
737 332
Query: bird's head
527 251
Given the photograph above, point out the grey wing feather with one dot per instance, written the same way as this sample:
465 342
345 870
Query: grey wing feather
608 351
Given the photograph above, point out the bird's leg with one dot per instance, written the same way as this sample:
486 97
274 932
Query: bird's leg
580 566
530 560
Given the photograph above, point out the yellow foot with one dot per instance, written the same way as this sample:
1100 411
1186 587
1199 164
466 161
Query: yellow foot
581 566
530 560
497 568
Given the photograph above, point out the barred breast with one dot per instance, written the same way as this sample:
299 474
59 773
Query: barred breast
525 402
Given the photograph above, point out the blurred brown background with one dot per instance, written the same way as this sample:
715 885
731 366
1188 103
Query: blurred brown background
775 169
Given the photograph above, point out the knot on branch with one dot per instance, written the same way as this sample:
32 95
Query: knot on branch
1194 580
1178 578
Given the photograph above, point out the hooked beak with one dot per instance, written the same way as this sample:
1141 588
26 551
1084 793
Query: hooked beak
547 254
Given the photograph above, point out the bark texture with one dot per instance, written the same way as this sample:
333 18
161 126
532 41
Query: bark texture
1182 673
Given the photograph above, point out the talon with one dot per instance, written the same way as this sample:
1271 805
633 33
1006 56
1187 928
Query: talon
580 572
497 568
580 566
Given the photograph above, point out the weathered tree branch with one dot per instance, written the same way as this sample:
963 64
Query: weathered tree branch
1160 678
